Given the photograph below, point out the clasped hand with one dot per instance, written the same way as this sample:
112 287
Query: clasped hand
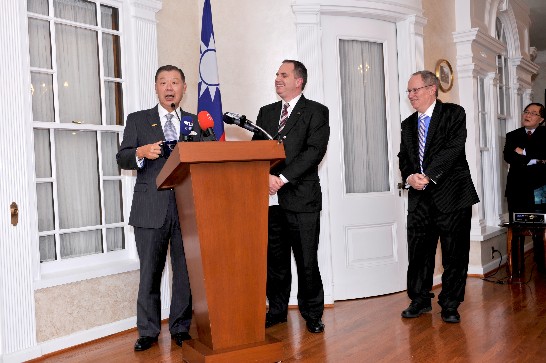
275 183
418 181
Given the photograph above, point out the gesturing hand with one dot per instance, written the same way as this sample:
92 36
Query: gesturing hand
149 151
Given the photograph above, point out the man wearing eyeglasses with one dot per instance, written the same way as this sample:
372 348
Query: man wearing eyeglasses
525 151
433 164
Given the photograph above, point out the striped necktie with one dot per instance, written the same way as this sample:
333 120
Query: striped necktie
421 130
284 116
168 130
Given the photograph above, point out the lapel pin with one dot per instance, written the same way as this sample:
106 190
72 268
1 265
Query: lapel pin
153 125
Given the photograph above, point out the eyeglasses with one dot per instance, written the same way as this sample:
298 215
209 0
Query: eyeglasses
414 90
531 113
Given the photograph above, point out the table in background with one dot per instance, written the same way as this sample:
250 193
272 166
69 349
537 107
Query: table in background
515 248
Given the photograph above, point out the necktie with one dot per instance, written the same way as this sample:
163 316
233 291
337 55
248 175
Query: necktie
168 130
421 131
284 116
529 134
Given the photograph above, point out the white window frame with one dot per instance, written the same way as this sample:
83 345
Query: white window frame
132 14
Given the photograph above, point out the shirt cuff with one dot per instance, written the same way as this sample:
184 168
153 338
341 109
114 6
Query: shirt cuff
284 180
139 162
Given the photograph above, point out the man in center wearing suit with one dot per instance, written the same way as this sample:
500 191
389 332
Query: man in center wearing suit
441 194
154 214
525 151
295 197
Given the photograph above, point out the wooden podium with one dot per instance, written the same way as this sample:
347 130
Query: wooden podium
221 193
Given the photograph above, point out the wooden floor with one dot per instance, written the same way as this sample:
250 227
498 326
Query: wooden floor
500 323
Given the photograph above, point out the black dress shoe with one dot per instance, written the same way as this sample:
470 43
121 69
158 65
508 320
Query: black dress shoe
144 343
315 326
271 320
451 315
415 310
180 337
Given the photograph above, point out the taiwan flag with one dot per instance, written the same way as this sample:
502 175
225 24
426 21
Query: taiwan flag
210 99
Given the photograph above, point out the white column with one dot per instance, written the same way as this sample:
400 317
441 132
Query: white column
409 40
308 36
17 318
143 63
142 54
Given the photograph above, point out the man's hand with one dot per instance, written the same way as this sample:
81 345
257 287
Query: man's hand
519 150
275 183
418 181
149 151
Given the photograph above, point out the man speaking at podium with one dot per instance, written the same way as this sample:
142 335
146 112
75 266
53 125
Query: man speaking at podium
154 215
295 197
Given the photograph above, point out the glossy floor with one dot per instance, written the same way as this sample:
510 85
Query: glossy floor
500 323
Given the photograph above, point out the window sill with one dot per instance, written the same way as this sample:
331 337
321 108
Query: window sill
85 273
489 233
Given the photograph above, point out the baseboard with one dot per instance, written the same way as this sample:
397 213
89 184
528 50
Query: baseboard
69 341
481 271
82 337
293 301
21 355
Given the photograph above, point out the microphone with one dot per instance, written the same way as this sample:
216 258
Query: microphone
186 127
232 118
173 106
206 122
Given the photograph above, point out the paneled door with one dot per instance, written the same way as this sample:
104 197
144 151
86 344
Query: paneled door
367 210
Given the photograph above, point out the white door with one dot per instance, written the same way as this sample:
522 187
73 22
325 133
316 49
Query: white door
367 212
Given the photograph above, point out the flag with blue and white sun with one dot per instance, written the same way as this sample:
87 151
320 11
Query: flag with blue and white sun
210 99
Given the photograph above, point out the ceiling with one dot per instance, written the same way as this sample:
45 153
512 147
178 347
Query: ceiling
537 32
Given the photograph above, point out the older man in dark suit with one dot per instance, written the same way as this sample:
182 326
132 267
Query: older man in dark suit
295 197
154 214
525 151
441 194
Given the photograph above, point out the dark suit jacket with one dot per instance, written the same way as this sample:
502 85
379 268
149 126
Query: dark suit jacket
444 161
523 179
149 206
305 137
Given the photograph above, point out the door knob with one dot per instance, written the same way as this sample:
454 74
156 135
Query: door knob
14 213
400 187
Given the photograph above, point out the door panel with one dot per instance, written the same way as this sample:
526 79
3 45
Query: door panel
367 212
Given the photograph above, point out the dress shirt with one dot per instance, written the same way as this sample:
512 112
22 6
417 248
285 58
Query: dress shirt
274 199
162 117
532 161
428 112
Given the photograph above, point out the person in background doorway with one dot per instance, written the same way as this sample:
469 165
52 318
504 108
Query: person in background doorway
525 151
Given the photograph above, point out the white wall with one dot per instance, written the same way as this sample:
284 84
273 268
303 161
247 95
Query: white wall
251 43
252 38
